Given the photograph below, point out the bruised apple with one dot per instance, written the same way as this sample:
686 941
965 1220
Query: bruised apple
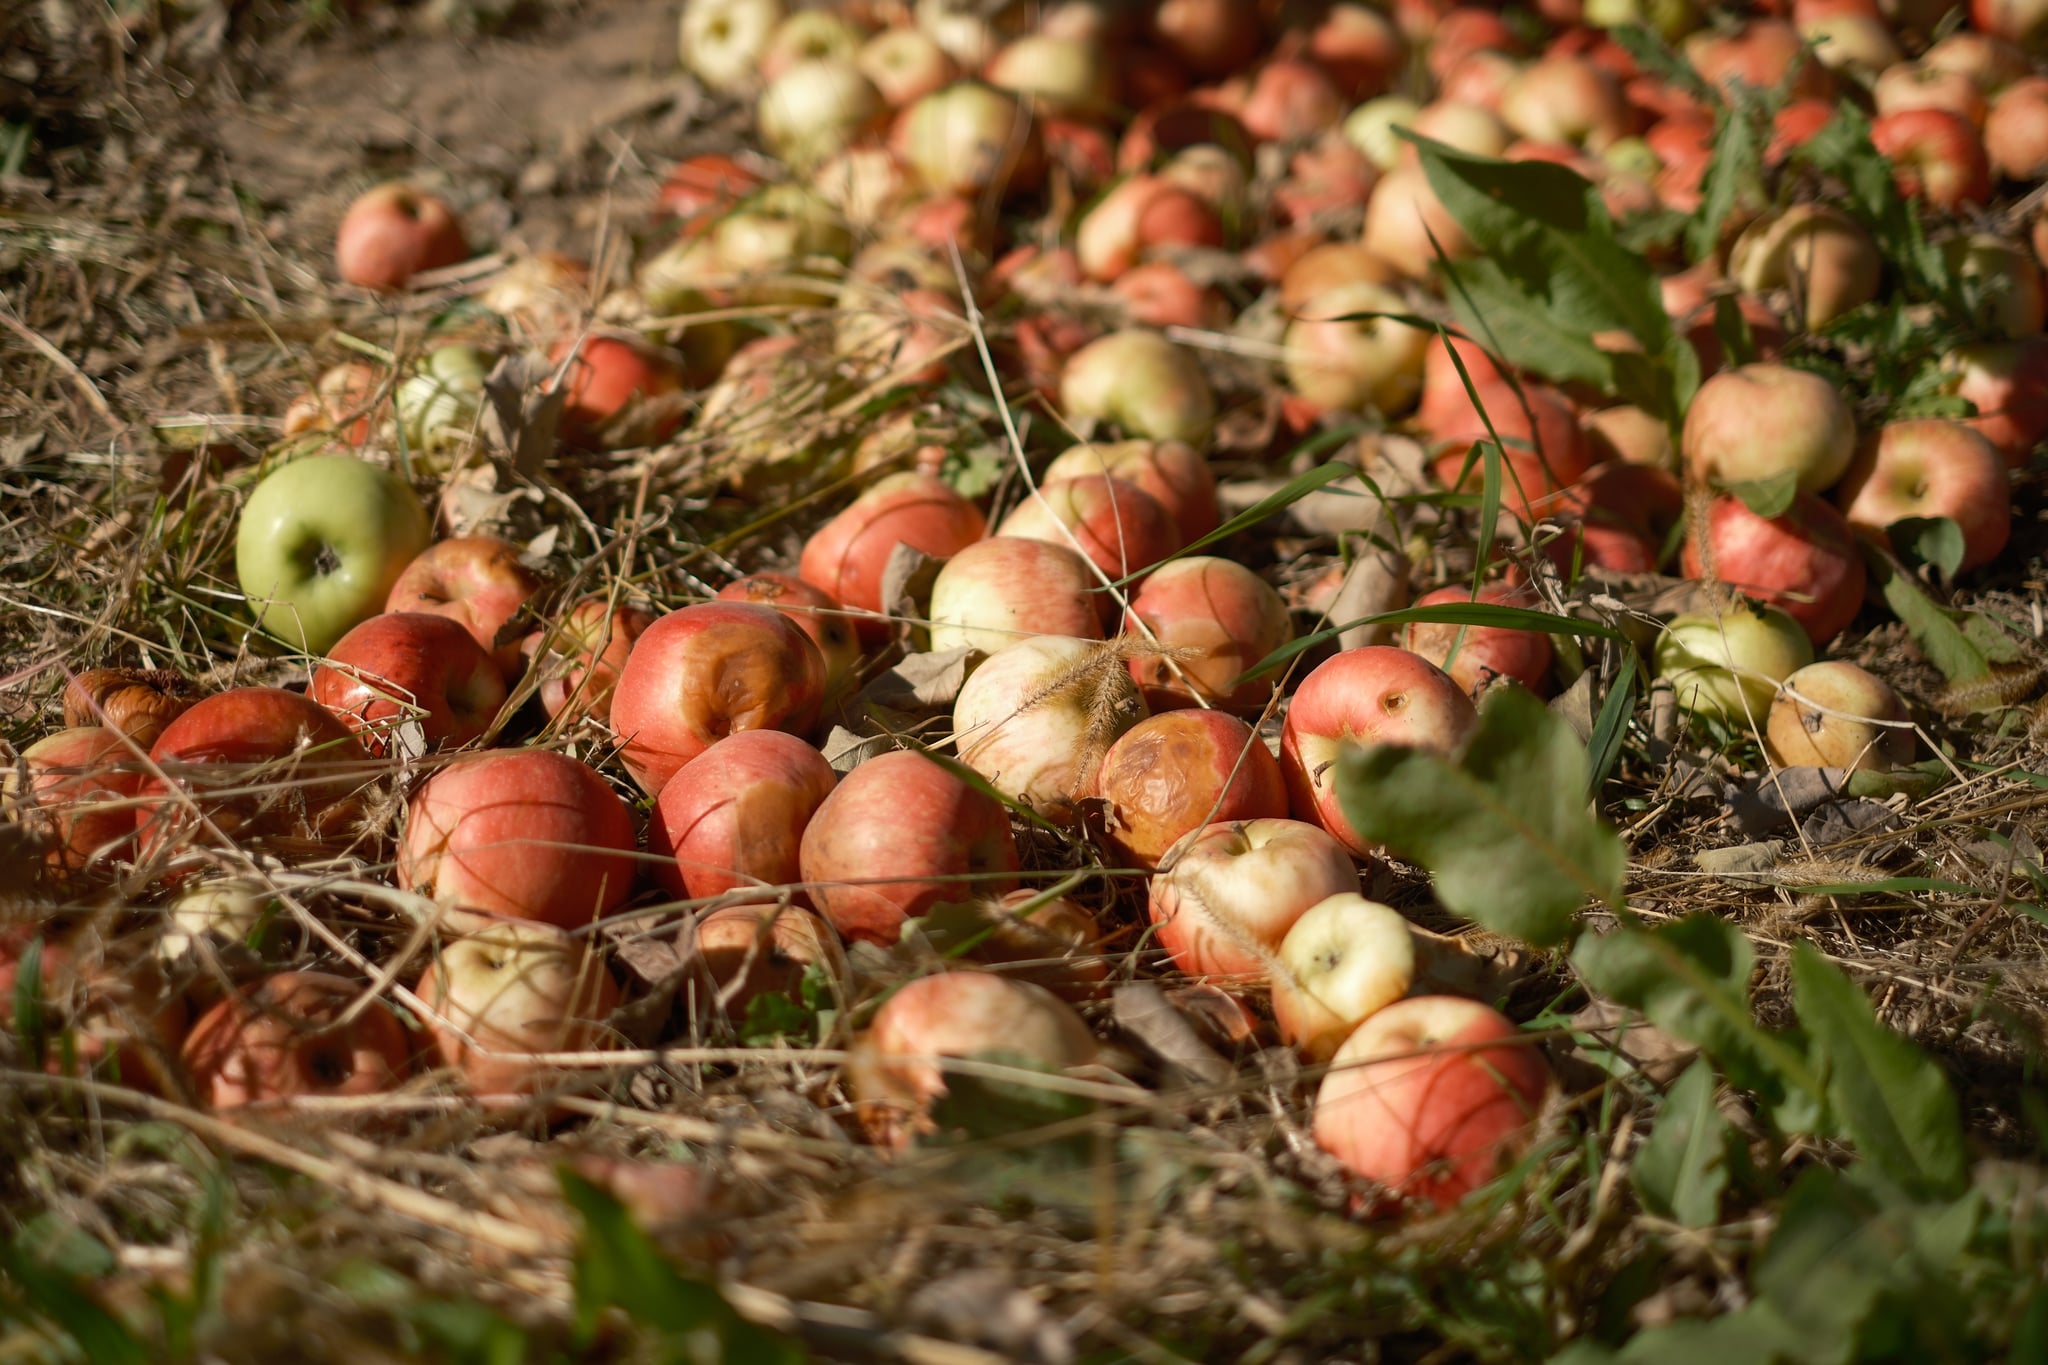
1171 774
578 661
734 816
1226 894
1221 619
1037 717
1832 714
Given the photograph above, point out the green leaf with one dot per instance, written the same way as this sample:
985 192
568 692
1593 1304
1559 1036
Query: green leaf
617 1266
45 1294
1963 645
1887 1096
773 1015
29 1023
1683 1168
1768 498
1736 166
1934 541
1506 852
1610 727
977 1108
1731 329
1843 150
1525 333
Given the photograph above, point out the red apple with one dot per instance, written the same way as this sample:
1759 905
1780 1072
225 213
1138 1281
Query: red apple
291 1036
1543 446
1226 894
523 833
1431 1097
1120 528
704 672
579 659
1475 657
507 992
1172 774
1225 616
1935 155
1360 47
1037 716
898 835
1290 100
734 816
1762 421
408 666
815 612
1007 588
2016 130
393 232
98 1007
1209 37
622 391
477 581
707 183
1932 468
1806 562
736 954
849 554
79 797
1374 694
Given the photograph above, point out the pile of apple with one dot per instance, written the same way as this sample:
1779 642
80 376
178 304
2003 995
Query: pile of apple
1113 182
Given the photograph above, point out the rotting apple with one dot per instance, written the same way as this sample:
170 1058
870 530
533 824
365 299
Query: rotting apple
1171 774
816 612
734 816
1036 718
736 954
1226 894
1476 657
1220 619
1835 714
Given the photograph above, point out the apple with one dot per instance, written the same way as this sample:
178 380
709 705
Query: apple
2007 382
74 791
1827 259
734 955
1476 657
321 542
815 108
1062 76
1371 128
1805 562
507 992
1171 774
438 403
1935 155
258 765
1007 588
816 612
905 65
960 28
220 911
1431 1097
1461 30
523 833
1217 177
2024 23
898 835
968 139
734 816
96 1008
1929 467
1566 99
1374 694
480 583
410 666
294 1035
709 183
1209 37
1291 100
1027 935
137 702
1763 421
1160 294
621 391
1346 959
1221 619
1767 332
393 232
1360 47
1992 61
1140 213
1336 355
848 556
1627 435
722 41
1459 124
1406 225
1763 54
701 673
808 35
1857 43
1142 383
1226 894
2001 283
2016 130
779 246
897 1068
1161 132
1834 714
1324 266
343 400
1728 664
1037 716
1904 85
578 659
1119 527
1543 451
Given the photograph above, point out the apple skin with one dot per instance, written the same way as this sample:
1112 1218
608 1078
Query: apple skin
905 65
1120 528
1141 382
1806 562
1374 694
476 581
1729 665
734 816
393 232
816 612
815 108
1227 615
2008 383
584 655
1431 1097
969 139
1928 467
1171 774
617 387
1336 357
708 183
2016 130
310 764
410 664
515 989
1226 894
1176 475
1935 155
1760 421
1141 213
1037 716
321 542
1824 717
138 702
282 1039
848 556
523 833
1475 657
1343 961
1403 215
1545 449
1829 262
896 1073
81 785
706 671
1007 588
721 42
738 953
898 835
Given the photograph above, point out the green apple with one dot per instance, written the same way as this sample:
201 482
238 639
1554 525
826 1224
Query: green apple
1729 665
321 542
438 405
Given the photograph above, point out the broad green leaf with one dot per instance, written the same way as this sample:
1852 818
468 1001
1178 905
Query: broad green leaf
977 1107
1963 645
1887 1096
1731 329
1683 1168
1518 326
1505 851
1934 541
1768 498
1822 1270
59 1302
